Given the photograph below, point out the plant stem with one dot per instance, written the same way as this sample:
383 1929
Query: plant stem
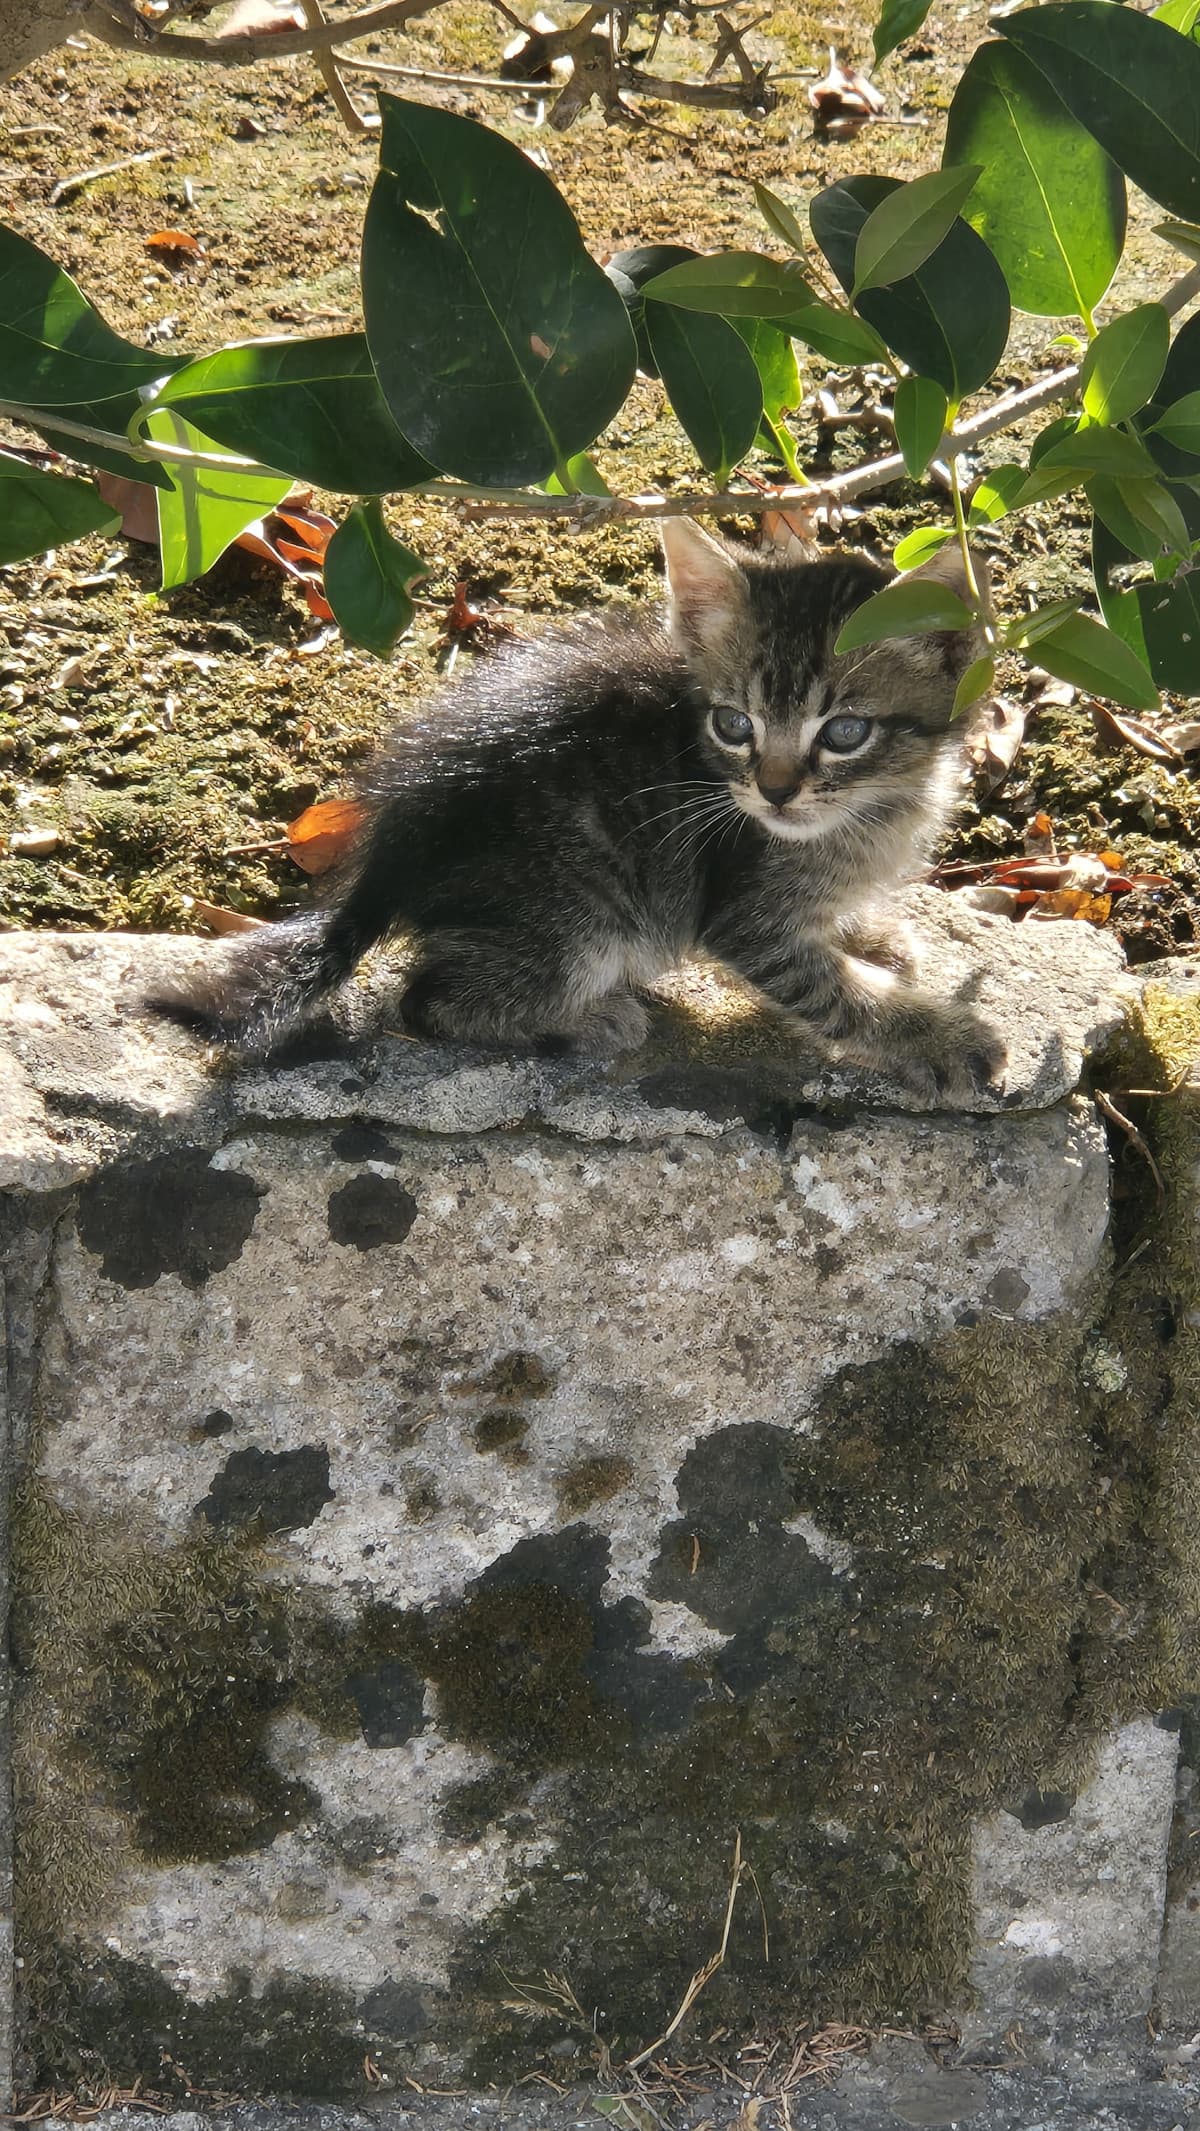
41 418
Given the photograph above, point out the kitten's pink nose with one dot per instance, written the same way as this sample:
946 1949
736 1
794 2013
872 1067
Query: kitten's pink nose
778 794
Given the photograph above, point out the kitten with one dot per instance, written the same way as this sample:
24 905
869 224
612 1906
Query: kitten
583 812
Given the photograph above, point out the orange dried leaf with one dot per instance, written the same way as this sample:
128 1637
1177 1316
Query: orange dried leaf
171 240
305 558
1039 838
1073 903
312 527
323 833
318 605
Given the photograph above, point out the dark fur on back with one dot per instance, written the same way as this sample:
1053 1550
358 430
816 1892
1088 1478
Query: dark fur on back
566 822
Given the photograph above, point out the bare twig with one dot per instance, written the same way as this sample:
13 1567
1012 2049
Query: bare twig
67 187
1118 1117
243 51
348 110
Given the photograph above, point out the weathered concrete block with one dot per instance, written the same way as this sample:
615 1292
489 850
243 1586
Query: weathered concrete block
462 1496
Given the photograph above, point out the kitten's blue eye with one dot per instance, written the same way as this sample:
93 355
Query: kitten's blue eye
843 735
734 727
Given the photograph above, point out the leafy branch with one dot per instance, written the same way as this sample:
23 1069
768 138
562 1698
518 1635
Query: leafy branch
496 350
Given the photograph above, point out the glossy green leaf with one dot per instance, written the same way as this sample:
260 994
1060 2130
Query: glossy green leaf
898 20
368 576
629 272
1144 515
1124 363
1089 656
1045 485
775 361
920 417
994 496
711 381
313 408
839 336
974 684
1180 424
949 320
1101 451
1181 15
1170 617
203 511
906 226
583 479
1179 380
1118 604
1132 81
55 349
921 546
1185 236
733 285
500 346
1063 425
780 219
913 607
40 510
1049 201
1027 628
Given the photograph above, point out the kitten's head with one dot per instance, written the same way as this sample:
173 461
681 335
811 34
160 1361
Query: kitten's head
809 742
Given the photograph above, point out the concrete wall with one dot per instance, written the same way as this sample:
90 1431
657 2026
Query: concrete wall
461 1503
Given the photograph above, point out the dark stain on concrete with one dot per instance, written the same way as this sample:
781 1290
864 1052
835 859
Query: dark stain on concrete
273 1490
390 1702
172 1214
371 1210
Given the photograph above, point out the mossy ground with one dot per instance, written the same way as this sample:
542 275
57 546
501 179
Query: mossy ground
167 738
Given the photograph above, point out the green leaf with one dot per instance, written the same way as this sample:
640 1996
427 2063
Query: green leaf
913 607
1089 656
733 285
779 218
1100 451
1049 202
921 546
775 361
1170 617
55 349
1181 15
313 408
1119 606
629 272
898 19
1185 236
711 381
920 417
837 335
368 574
203 511
907 226
1124 363
996 494
1180 425
1132 81
1111 505
1027 628
975 683
40 511
949 320
583 479
500 346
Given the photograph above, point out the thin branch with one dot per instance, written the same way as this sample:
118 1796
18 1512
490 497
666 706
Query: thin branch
829 495
314 15
66 188
43 418
267 44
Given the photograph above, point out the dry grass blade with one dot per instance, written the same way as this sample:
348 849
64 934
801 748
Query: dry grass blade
703 1975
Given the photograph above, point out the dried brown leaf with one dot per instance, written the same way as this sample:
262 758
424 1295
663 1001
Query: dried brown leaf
1118 730
323 833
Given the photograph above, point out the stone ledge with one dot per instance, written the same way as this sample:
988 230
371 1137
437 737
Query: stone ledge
91 1074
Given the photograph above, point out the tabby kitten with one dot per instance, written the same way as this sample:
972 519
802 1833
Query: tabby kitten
582 812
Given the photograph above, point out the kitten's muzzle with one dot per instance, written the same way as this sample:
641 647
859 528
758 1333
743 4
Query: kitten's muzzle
777 795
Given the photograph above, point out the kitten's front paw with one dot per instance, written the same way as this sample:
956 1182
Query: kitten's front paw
971 1057
618 1023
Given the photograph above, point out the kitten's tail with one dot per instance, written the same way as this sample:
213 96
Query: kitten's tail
270 982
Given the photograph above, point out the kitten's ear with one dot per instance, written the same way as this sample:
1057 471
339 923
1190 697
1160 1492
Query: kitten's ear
706 589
